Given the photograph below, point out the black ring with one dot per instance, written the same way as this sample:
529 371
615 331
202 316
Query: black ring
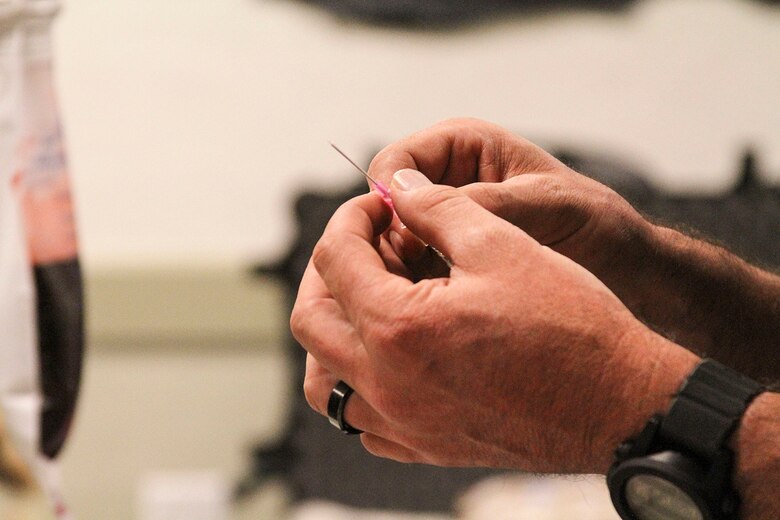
336 404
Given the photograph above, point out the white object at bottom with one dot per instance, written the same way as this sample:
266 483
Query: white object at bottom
183 495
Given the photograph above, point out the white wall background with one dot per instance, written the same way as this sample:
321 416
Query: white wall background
190 123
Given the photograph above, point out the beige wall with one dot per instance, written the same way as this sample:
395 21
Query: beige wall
190 122
184 373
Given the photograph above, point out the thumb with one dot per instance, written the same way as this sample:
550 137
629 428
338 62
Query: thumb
449 220
546 207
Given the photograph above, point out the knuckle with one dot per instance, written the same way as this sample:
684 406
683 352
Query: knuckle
491 197
379 447
301 321
323 252
383 156
461 123
491 238
435 197
389 450
545 184
442 203
391 159
297 322
371 444
310 392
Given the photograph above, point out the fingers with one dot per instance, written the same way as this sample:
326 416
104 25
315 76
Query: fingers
347 259
460 151
317 387
446 153
453 152
405 244
387 449
392 259
497 198
448 220
319 324
548 207
335 353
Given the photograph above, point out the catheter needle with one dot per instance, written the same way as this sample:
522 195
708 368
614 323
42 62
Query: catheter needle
353 163
382 189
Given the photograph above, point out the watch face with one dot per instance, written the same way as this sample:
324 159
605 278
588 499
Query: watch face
653 498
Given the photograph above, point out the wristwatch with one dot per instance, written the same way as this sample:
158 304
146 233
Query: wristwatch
679 467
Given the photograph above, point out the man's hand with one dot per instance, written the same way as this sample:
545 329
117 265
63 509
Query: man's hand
689 290
521 358
523 184
526 186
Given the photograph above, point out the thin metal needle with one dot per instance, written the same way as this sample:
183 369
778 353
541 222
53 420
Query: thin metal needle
382 189
361 170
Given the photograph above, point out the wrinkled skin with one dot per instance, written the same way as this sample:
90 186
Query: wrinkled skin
528 352
494 365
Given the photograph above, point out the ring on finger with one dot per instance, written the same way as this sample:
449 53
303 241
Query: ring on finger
336 404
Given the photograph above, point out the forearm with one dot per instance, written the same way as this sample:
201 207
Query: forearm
702 297
757 469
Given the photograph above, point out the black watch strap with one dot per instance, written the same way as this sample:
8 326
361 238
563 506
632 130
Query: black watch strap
707 409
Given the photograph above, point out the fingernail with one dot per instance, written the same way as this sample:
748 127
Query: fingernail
407 180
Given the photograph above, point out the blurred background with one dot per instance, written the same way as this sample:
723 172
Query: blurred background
193 125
